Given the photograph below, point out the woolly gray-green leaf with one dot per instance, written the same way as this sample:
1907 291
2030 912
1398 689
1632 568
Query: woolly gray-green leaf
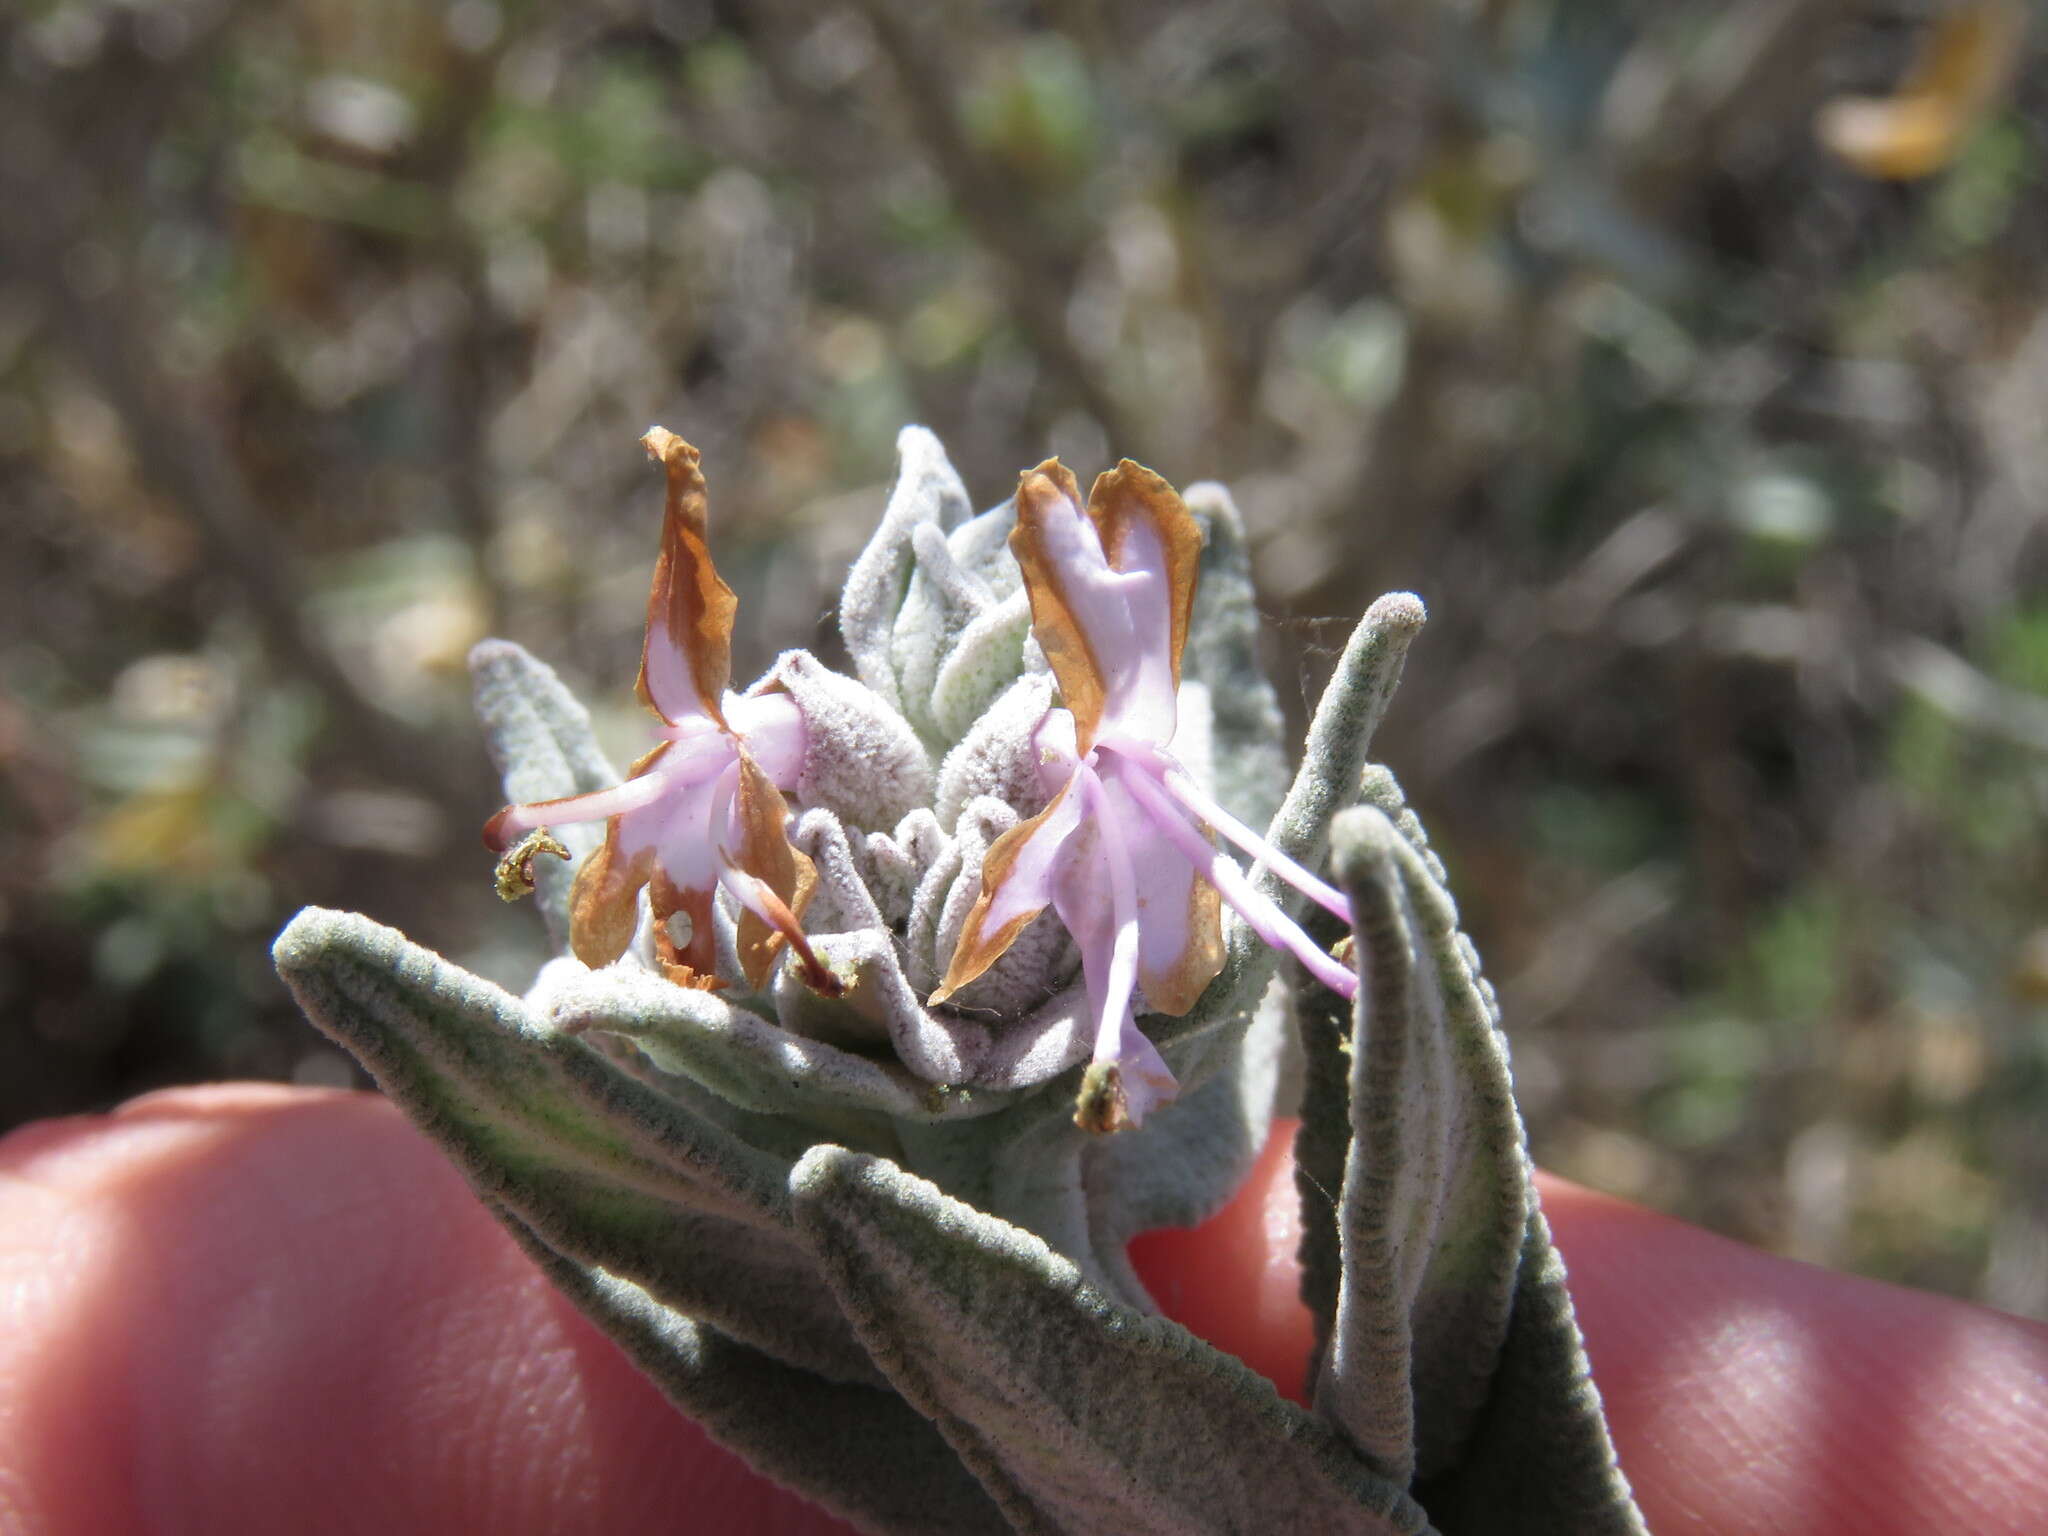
996 757
742 1057
985 659
861 759
1076 1414
1439 1212
1087 1195
1024 1168
606 1169
948 1048
1540 1462
960 633
1340 734
1321 1146
1378 787
1436 1186
858 1450
542 745
927 490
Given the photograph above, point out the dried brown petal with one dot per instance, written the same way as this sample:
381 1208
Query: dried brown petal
785 879
603 909
1131 495
1053 621
686 660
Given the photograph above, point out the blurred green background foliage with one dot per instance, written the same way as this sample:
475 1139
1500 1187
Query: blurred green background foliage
1689 358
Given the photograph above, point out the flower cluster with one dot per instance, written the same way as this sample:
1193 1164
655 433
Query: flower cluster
1121 845
806 1111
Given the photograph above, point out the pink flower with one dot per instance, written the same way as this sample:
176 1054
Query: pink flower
1124 853
704 809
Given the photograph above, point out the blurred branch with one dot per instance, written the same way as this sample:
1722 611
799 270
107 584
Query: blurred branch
999 214
180 451
1487 701
464 391
1669 124
178 446
1580 941
1946 683
37 776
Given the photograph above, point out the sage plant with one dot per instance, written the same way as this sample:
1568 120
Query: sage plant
887 1009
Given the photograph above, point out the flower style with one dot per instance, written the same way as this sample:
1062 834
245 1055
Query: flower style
704 809
1124 852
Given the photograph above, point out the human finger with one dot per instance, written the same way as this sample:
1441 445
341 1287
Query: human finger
255 1308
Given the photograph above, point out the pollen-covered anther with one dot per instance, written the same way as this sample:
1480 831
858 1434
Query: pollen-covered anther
1100 1107
514 874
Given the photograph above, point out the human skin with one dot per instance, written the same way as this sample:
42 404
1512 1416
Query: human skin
252 1308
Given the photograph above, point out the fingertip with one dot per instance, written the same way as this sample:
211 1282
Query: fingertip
237 1307
234 1099
258 1308
1234 1280
1752 1394
1747 1395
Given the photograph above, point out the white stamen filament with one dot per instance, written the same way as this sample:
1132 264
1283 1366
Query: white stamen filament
746 890
1258 910
1320 891
603 804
